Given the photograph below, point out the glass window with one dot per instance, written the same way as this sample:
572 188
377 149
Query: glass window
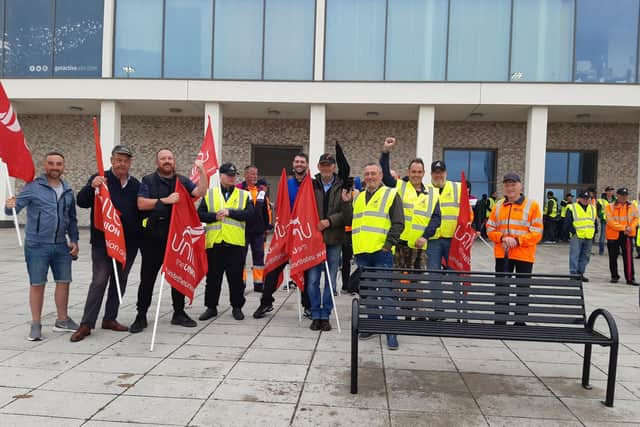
1 36
606 40
138 41
78 38
479 40
289 39
354 46
416 39
479 167
569 171
237 53
188 36
542 40
28 38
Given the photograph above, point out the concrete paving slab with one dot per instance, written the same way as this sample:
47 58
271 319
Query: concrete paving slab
258 391
268 372
499 367
523 406
166 386
118 364
505 384
192 368
593 411
91 382
58 404
25 378
7 394
432 401
570 387
241 414
153 410
272 355
324 416
435 419
332 394
11 420
529 422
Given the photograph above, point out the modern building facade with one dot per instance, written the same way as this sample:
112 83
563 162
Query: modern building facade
547 88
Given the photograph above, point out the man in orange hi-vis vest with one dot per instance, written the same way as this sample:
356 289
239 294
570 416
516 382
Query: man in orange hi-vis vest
515 226
622 219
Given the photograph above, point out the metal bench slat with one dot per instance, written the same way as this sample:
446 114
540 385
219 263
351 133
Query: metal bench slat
558 291
468 296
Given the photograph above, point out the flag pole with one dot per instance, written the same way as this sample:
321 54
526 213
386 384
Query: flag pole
155 323
13 210
286 277
299 304
117 276
333 298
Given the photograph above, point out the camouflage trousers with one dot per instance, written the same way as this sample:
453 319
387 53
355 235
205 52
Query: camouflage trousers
406 257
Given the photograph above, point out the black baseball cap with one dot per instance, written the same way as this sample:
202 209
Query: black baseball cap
229 169
438 165
327 158
623 191
609 188
584 195
511 176
122 149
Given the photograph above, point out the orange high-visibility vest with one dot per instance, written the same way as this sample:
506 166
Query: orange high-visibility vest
619 216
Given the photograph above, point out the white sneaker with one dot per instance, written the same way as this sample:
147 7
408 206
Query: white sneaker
67 325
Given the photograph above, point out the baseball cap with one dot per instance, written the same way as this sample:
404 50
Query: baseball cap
122 149
583 195
511 176
609 188
228 169
327 158
438 164
623 191
569 195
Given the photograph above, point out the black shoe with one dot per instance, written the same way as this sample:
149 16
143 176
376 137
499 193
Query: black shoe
237 314
315 325
181 319
325 326
139 324
366 335
584 278
614 280
262 311
209 313
307 313
632 283
257 287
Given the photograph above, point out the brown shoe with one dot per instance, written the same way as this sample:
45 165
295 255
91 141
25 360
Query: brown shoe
113 325
80 333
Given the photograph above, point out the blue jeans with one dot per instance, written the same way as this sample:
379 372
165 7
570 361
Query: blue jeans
376 259
601 238
321 302
436 250
41 256
579 254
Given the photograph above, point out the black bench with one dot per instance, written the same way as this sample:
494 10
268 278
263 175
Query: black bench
480 305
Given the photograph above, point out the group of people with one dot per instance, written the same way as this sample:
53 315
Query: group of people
404 222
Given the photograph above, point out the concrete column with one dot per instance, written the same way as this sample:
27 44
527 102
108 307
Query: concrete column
110 118
424 143
317 129
108 27
318 63
214 109
536 150
635 196
6 220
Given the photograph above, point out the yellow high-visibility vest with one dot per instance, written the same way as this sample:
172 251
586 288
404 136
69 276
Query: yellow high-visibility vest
409 197
583 220
228 230
554 208
371 221
449 208
422 212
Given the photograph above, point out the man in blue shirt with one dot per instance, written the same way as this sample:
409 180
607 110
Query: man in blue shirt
51 220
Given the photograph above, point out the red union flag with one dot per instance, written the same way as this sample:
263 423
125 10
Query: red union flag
460 252
306 245
207 154
278 252
185 259
13 148
111 225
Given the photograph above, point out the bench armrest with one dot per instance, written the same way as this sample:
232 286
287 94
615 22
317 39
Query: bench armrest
613 329
354 314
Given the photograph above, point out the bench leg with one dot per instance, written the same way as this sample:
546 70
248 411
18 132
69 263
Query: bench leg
586 366
611 375
354 361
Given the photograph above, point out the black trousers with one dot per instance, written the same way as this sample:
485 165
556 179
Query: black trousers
549 230
225 258
347 254
623 245
506 265
270 286
152 251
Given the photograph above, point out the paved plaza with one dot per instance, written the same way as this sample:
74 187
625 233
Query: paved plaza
276 372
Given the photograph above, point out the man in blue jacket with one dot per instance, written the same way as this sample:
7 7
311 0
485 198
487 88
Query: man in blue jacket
123 190
51 220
